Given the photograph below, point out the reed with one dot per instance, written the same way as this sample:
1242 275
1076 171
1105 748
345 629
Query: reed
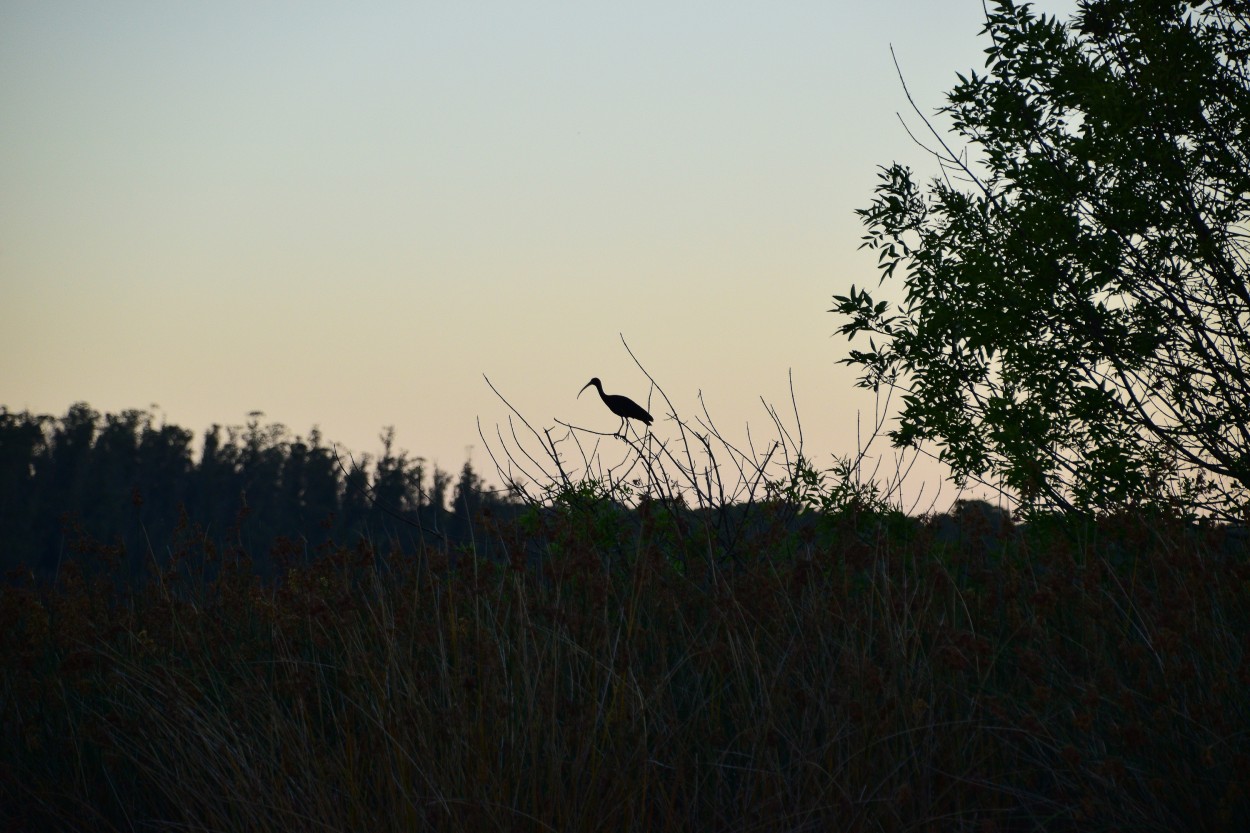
862 673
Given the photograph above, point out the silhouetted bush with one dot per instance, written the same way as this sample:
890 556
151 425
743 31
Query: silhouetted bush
862 675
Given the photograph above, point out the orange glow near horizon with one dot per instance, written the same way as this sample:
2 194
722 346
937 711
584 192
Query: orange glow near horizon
344 216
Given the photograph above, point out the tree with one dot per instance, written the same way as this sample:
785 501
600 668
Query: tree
128 484
1076 317
23 443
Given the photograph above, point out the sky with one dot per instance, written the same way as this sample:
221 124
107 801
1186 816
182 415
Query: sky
347 215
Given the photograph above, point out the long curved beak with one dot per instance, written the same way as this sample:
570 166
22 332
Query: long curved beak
579 393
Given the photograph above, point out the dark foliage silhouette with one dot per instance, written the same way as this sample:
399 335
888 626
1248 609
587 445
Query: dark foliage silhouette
126 481
1076 320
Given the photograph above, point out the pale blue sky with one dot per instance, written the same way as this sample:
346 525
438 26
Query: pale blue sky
344 214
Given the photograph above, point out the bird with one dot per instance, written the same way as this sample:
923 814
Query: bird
622 406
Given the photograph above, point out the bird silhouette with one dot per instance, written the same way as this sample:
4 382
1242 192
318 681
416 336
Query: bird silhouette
622 406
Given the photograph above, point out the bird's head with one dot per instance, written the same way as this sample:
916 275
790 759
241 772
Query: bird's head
595 381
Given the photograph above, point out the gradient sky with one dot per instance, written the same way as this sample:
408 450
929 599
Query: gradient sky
343 215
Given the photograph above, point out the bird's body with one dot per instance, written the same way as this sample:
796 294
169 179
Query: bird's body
622 406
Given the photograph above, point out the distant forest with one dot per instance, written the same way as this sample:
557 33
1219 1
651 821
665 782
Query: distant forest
126 485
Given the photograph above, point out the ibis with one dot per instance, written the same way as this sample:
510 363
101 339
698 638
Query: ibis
622 406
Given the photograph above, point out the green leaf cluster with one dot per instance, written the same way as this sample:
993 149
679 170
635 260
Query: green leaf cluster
1075 313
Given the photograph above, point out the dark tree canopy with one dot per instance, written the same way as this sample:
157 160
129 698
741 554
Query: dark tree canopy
124 482
1076 321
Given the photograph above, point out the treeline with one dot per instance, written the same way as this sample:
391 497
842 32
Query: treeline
133 484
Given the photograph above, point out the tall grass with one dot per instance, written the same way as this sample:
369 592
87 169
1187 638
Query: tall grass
858 675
